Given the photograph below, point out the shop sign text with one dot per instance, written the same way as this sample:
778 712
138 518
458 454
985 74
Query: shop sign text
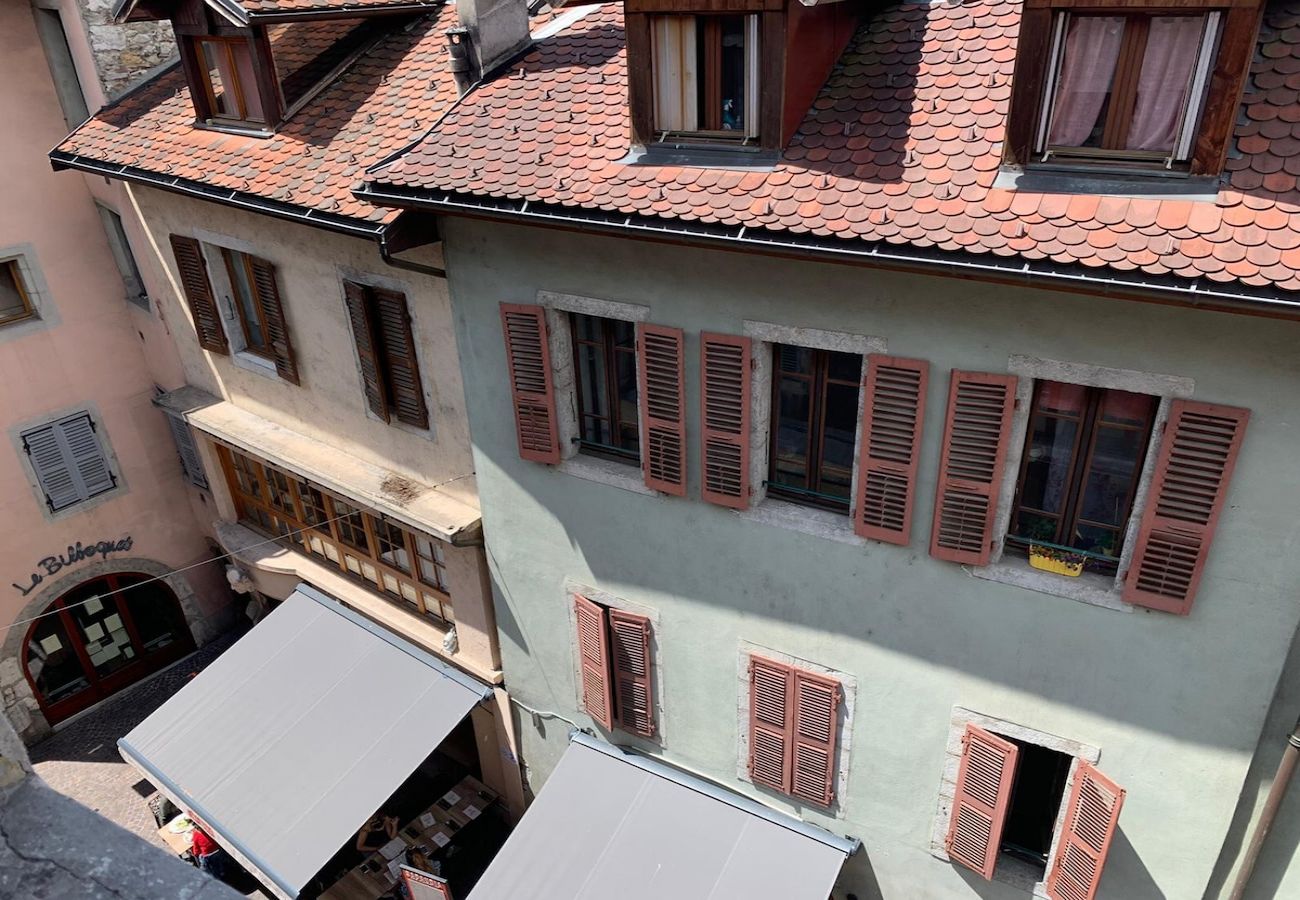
53 564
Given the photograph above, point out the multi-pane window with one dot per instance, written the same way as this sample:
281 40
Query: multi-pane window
604 360
123 257
366 546
1127 86
706 75
814 425
15 303
249 304
229 80
1083 455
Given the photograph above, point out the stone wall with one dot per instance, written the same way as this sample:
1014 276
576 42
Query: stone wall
124 53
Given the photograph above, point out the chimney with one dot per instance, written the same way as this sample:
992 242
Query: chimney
498 29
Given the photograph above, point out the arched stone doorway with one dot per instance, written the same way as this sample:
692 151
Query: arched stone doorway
99 637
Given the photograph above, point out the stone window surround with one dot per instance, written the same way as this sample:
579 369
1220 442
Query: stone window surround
370 279
90 409
779 512
211 244
44 315
659 742
1016 873
843 747
1093 588
560 343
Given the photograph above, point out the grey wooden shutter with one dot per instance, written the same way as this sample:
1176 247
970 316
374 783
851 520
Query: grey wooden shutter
193 273
277 329
402 369
191 463
363 333
69 461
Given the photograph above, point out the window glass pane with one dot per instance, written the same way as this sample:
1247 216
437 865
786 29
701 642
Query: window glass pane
220 76
1067 399
157 618
792 435
733 73
622 333
13 304
281 493
844 367
1124 408
351 525
1173 45
53 662
104 634
798 360
313 504
1111 474
625 364
1086 79
245 298
1047 472
249 476
592 393
840 419
1096 539
588 328
253 111
392 545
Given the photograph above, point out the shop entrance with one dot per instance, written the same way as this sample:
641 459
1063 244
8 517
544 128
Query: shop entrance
99 637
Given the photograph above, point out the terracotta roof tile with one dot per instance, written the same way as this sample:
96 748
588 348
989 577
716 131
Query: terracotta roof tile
911 119
383 101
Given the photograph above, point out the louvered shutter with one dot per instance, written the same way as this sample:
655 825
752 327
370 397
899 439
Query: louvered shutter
1090 821
892 417
593 653
970 470
86 455
277 329
1197 456
979 807
53 469
193 272
630 651
661 364
528 357
191 464
363 335
771 702
724 416
400 362
816 712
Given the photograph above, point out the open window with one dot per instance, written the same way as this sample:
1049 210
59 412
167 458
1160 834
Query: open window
15 299
605 376
706 82
229 85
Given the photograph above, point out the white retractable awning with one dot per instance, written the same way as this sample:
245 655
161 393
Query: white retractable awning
293 737
608 824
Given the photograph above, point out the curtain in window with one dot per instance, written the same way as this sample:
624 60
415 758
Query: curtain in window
1091 49
1172 48
676 91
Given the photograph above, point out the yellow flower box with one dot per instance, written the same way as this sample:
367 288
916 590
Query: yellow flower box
1042 558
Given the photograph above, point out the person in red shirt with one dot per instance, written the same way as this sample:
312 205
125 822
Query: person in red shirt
211 858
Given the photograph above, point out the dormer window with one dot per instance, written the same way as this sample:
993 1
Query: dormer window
706 77
1127 87
229 80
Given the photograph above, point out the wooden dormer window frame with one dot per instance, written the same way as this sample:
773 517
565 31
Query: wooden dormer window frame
692 73
251 103
1220 35
229 82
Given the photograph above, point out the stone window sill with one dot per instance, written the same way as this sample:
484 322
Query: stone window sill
625 476
251 362
1090 587
821 523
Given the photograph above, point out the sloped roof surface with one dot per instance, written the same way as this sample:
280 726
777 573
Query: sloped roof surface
383 101
902 146
272 7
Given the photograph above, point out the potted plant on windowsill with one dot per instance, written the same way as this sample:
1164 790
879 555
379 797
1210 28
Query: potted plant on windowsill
1060 562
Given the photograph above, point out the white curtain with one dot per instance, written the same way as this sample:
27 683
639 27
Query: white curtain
1172 48
1091 50
676 104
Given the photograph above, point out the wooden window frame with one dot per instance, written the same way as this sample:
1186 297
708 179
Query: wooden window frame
708 36
609 354
245 263
1081 456
819 381
28 310
1225 75
431 602
239 89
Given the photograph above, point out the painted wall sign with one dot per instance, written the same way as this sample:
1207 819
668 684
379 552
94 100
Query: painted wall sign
76 553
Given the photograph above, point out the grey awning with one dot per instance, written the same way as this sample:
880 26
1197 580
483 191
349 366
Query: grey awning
287 742
612 825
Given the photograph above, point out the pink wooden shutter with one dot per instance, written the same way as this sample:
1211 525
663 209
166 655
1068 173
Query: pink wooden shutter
970 471
892 415
630 645
816 705
528 357
724 416
593 652
1197 455
771 685
660 365
1090 821
979 808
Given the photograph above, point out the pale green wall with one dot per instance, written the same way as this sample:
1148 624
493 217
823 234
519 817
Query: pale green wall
1176 705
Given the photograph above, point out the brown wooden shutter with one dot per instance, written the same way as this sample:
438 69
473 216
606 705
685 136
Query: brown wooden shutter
1197 456
771 690
630 649
528 357
893 413
1090 821
970 470
193 272
979 807
400 363
661 363
363 334
593 652
816 715
277 329
724 416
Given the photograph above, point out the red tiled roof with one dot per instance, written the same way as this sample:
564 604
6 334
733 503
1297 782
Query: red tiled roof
274 7
382 102
902 146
